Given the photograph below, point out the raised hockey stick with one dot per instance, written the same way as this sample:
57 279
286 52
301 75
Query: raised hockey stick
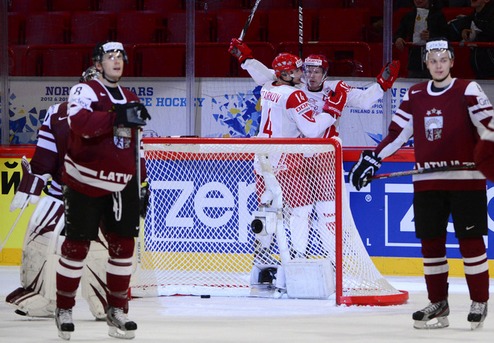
15 224
249 20
423 171
300 29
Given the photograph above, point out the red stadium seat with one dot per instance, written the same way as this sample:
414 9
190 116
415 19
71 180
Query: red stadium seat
176 26
16 24
159 60
118 5
337 52
219 5
318 4
211 59
91 27
140 27
230 23
163 6
342 24
57 60
451 13
78 5
283 25
47 28
27 6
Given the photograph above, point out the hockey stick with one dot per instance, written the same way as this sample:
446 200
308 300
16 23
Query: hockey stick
249 20
423 171
300 29
15 224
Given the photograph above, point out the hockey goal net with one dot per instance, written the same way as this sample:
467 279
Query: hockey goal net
198 239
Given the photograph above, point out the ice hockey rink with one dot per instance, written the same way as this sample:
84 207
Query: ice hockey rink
193 319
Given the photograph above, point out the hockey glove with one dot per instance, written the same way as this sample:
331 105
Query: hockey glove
337 99
388 75
362 172
30 186
133 114
239 50
144 200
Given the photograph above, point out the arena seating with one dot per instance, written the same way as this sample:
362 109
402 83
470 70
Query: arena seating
159 26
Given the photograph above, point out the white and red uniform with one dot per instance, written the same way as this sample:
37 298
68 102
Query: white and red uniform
358 98
443 134
97 162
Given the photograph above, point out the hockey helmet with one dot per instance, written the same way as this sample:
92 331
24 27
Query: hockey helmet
89 74
317 61
286 62
438 44
104 48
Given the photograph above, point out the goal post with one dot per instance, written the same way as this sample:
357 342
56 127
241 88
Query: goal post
204 195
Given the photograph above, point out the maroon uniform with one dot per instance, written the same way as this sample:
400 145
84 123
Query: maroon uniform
445 126
97 161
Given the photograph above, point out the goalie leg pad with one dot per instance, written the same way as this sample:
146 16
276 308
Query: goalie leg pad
299 229
93 281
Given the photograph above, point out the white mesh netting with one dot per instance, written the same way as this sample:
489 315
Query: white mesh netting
197 236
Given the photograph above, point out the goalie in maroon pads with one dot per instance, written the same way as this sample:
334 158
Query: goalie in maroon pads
446 116
41 250
101 172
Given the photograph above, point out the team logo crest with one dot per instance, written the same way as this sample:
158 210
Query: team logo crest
433 125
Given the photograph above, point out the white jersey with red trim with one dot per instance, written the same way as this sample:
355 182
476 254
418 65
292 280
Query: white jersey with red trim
286 113
446 126
357 97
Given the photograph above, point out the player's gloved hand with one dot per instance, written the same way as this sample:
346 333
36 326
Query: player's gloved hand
144 200
388 75
239 50
337 99
30 186
132 114
366 167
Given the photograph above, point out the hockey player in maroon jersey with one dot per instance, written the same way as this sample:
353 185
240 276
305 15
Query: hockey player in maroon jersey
43 237
100 173
445 116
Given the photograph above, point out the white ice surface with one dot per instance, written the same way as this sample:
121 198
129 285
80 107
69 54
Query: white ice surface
254 320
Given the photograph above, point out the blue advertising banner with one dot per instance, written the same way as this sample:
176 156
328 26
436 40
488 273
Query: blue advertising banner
383 214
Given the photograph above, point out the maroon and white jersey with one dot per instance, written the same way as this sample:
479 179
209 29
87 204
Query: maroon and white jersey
287 113
446 126
97 161
51 147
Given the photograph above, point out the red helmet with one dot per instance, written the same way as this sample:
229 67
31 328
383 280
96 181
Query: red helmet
286 62
317 61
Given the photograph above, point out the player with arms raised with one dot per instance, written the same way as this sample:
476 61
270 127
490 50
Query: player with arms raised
446 116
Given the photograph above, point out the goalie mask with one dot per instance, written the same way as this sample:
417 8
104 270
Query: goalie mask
104 48
89 74
286 62
438 45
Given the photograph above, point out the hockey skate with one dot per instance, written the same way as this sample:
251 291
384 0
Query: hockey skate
438 311
63 319
478 312
119 325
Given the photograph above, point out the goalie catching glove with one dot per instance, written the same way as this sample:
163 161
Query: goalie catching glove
388 75
336 100
133 114
366 167
30 187
239 50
